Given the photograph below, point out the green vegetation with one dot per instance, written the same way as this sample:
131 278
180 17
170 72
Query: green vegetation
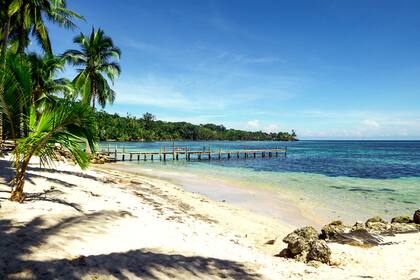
147 128
95 57
40 112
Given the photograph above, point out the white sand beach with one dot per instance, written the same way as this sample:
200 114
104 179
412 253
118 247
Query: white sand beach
105 224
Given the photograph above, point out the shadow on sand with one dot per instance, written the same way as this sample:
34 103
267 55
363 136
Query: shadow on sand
17 242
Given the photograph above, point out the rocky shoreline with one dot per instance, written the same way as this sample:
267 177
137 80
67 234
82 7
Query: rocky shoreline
308 245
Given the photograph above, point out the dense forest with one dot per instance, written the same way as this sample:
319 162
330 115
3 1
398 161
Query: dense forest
147 128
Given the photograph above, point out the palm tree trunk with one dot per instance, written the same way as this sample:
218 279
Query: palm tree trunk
19 181
5 40
21 46
93 93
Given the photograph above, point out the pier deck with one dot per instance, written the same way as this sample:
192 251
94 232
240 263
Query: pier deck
188 155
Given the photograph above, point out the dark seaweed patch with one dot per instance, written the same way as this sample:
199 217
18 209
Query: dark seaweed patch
386 190
360 190
338 187
408 202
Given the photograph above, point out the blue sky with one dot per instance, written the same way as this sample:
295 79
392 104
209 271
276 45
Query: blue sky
328 69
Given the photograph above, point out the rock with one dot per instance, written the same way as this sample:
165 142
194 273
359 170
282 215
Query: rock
297 245
330 231
270 242
378 225
358 226
298 240
307 233
319 251
416 217
401 219
403 228
303 245
375 219
285 253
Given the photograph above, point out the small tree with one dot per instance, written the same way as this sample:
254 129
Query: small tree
68 124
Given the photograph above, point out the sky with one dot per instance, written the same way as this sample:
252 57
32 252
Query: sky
344 69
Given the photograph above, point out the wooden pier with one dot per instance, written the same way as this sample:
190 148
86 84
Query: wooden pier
189 155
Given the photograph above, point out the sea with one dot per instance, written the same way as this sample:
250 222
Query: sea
348 180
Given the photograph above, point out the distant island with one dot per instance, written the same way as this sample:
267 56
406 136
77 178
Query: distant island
117 128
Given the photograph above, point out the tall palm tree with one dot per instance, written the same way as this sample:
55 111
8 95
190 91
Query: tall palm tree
22 18
97 58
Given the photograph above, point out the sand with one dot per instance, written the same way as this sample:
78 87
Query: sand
105 224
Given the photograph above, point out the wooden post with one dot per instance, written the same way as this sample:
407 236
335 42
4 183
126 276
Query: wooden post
209 156
116 154
177 156
237 155
285 151
151 157
173 150
269 154
199 156
255 155
123 157
220 153
131 157
164 156
228 155
263 154
145 157
138 157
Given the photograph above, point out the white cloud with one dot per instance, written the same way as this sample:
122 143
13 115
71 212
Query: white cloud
370 123
272 128
253 124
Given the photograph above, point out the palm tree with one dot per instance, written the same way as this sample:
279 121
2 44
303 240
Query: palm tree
45 84
95 60
67 123
24 18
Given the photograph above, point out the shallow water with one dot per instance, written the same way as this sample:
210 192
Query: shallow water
351 180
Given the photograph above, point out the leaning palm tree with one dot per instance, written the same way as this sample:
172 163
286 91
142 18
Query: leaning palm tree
66 123
95 60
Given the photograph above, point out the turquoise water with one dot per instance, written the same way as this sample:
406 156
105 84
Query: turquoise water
342 179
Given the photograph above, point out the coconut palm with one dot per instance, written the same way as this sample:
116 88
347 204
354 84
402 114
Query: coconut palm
22 18
95 60
66 123
45 84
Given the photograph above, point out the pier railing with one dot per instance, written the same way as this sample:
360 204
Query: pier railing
188 154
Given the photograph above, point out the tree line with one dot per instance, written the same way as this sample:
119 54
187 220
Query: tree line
147 128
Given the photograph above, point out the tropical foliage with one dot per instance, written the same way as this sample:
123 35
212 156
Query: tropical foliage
96 59
21 19
40 112
147 128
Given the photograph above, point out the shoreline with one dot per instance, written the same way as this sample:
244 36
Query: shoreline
261 201
109 224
